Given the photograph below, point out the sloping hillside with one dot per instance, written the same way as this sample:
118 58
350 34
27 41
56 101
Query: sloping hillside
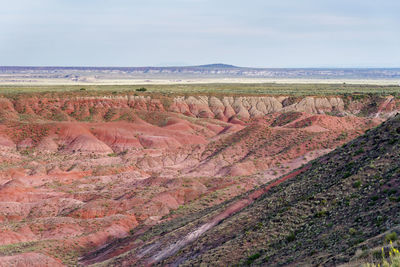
338 209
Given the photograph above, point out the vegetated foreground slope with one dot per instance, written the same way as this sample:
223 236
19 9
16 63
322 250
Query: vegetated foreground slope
340 209
78 172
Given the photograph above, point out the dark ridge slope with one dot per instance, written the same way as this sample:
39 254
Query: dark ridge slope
217 66
322 216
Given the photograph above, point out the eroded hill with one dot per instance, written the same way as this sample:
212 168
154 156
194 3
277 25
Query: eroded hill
78 172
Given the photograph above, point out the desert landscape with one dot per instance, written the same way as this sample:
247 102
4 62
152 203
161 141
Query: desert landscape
200 133
87 175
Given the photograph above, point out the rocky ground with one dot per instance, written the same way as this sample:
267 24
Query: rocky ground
77 172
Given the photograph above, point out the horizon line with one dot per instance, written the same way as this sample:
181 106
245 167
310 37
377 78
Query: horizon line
214 65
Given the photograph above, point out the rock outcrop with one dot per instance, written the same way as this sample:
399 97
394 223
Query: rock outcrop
223 108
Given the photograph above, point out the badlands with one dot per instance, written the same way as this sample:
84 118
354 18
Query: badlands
80 171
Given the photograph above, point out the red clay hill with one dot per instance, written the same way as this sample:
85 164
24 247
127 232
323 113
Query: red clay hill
77 173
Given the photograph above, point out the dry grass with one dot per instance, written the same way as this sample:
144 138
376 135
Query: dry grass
209 89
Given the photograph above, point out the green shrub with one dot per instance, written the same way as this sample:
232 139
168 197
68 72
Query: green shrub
252 258
392 191
357 184
392 141
347 174
359 151
342 136
352 231
374 198
291 237
321 213
391 237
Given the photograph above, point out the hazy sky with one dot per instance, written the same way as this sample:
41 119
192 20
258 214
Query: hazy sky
259 33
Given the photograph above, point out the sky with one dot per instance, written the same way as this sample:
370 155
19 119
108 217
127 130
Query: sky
252 33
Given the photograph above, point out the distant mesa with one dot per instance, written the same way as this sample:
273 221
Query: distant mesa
218 66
